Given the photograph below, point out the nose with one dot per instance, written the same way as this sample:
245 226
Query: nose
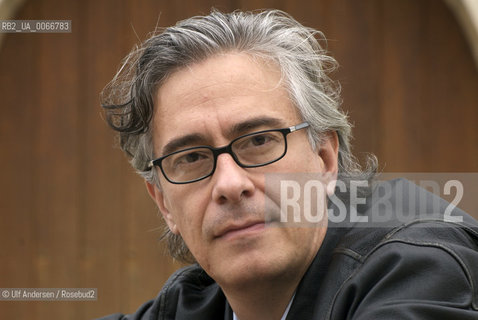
231 183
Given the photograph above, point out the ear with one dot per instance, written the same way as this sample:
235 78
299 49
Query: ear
158 198
329 153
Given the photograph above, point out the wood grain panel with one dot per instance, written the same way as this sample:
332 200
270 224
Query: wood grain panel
56 148
450 96
73 212
401 82
18 243
103 214
429 96
360 59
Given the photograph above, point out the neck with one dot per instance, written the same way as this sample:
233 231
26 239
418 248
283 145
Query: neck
262 300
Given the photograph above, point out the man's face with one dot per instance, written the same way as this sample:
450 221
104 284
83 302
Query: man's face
221 218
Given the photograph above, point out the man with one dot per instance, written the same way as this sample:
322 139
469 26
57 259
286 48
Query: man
213 112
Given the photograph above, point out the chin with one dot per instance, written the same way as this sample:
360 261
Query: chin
250 270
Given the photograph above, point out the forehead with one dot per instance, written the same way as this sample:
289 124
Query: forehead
211 96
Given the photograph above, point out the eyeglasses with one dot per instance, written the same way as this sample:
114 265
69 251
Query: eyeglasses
251 150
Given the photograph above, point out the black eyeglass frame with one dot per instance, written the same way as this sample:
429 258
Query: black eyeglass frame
228 149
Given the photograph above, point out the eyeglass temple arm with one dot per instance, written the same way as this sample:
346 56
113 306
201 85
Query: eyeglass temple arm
299 126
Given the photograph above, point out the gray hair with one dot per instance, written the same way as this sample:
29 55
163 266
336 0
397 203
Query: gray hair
299 52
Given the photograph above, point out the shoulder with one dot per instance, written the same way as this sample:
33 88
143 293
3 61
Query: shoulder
188 292
418 267
424 268
409 214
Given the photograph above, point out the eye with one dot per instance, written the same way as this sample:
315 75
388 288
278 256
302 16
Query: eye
256 141
259 140
190 158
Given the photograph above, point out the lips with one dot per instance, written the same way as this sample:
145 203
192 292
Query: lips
238 230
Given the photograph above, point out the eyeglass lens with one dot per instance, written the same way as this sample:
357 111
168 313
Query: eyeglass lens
251 150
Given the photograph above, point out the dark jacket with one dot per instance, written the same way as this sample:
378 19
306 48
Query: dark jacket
420 267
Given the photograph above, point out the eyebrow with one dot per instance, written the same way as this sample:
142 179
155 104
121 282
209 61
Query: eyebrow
182 142
254 123
236 130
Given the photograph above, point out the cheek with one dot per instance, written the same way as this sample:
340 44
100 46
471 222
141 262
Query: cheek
312 155
313 162
187 208
301 157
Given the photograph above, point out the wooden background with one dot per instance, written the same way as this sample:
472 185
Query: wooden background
73 213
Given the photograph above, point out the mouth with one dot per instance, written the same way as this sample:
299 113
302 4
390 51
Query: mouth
244 230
